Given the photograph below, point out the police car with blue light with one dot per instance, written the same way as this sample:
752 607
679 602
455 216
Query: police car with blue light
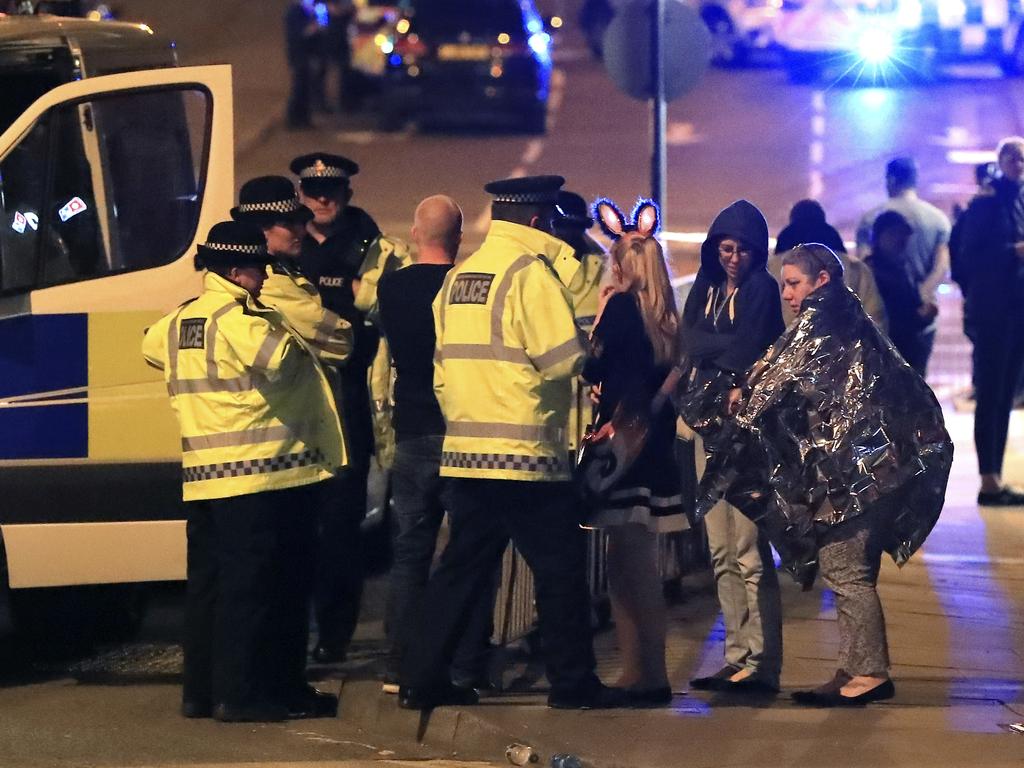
894 41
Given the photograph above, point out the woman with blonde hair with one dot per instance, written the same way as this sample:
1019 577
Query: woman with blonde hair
633 349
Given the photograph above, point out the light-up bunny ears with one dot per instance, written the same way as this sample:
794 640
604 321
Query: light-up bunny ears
645 219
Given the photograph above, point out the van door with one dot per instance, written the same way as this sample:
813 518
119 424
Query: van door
106 186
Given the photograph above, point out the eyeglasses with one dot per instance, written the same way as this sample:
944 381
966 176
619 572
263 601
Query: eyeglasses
729 251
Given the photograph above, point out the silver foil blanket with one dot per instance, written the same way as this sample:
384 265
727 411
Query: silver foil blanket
834 423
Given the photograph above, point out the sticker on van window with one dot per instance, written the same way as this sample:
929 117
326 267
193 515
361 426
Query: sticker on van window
73 207
32 219
19 223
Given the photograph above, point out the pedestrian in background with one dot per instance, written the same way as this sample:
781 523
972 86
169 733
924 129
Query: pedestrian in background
632 352
927 252
418 498
807 224
507 350
911 321
993 245
732 315
301 33
259 430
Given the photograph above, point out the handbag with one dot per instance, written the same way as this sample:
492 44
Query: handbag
605 455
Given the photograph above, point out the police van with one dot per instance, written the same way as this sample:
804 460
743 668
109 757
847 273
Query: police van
893 41
113 163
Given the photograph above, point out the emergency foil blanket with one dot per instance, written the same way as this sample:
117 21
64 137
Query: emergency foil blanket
835 424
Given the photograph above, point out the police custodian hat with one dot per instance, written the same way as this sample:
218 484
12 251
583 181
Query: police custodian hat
526 190
323 167
573 209
269 199
233 244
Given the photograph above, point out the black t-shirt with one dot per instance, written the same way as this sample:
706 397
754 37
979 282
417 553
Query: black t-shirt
405 299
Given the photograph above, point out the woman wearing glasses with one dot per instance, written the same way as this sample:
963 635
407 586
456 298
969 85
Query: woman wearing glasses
732 315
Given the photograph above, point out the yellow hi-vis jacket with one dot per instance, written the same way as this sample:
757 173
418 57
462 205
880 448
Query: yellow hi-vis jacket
585 289
507 349
298 301
254 406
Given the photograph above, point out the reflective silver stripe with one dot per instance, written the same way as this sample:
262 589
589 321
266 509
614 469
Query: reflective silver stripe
242 437
559 354
538 432
211 340
172 345
485 352
267 349
501 295
243 383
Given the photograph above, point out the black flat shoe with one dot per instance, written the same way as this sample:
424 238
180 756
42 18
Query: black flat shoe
312 703
428 698
880 692
715 682
1004 497
648 697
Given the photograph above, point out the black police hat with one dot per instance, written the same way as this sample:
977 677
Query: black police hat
233 244
526 190
269 199
323 170
573 210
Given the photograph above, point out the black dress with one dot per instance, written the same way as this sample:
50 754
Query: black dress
622 362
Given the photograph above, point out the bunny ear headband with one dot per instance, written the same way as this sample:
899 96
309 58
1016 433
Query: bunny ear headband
646 218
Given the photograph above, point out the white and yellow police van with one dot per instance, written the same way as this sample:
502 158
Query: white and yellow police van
894 41
113 163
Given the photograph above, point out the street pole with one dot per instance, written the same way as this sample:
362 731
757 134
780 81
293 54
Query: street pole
658 164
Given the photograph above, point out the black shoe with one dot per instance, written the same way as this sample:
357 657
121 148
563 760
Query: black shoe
649 697
196 708
1004 497
597 696
715 682
835 699
249 713
753 685
329 654
312 703
428 698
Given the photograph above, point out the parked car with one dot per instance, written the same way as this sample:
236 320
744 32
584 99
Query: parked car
478 62
740 28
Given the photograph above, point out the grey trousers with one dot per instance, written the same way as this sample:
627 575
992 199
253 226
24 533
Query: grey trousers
748 591
850 557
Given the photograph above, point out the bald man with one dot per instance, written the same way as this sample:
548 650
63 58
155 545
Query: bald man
404 299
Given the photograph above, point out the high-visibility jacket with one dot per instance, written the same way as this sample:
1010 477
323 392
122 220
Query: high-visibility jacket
253 403
385 254
507 349
298 301
585 288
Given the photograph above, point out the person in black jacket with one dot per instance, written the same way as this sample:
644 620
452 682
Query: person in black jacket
732 315
992 242
807 224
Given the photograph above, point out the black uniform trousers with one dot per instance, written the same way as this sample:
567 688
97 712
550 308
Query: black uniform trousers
542 520
247 603
338 591
998 360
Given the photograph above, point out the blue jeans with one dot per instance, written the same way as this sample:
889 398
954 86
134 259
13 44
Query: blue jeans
417 497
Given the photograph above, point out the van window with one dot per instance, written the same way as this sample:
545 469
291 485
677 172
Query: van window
103 186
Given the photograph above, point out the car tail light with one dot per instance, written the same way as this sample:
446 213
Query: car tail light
410 47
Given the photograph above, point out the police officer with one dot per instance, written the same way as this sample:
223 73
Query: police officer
343 255
259 430
270 203
301 33
507 349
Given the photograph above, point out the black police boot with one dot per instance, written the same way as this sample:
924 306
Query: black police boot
310 702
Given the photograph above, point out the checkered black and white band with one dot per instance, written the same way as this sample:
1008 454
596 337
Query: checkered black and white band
276 206
251 250
526 197
459 460
323 172
251 466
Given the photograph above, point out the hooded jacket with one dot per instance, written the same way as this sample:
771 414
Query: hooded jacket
728 333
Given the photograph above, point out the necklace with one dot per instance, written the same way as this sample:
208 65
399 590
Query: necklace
725 300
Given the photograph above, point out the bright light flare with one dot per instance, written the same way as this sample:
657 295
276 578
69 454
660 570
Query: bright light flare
876 46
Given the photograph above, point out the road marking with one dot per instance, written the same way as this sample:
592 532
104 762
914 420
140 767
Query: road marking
533 151
970 156
955 136
816 152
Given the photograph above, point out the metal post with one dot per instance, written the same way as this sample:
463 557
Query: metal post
658 164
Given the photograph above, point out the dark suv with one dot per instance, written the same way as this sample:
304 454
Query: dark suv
468 62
